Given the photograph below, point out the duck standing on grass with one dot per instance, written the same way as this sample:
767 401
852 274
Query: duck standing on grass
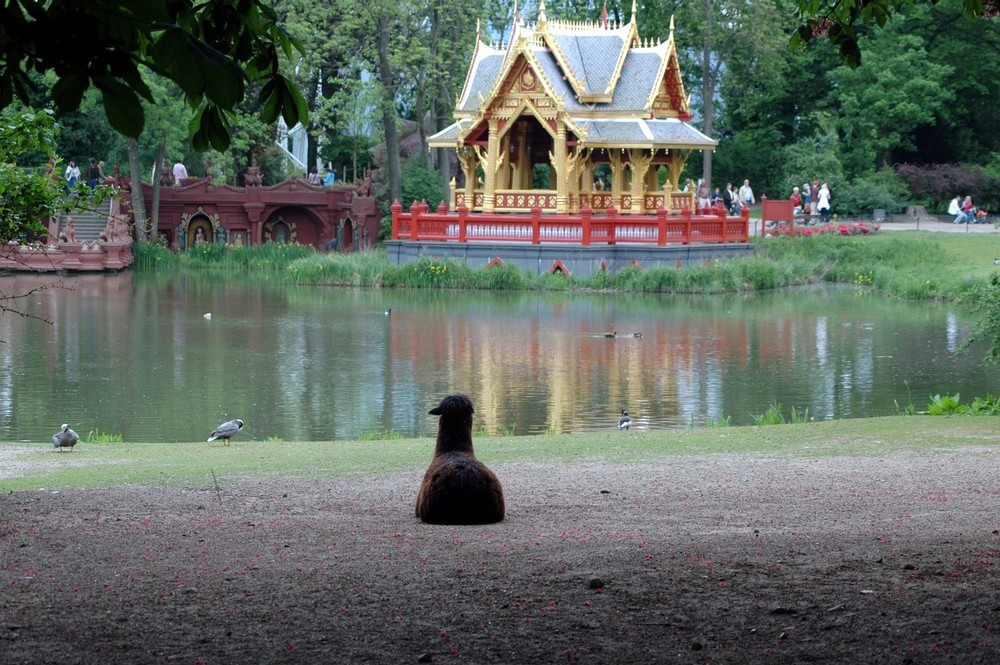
458 488
65 438
226 431
624 422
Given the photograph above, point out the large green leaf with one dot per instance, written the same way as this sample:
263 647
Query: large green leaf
172 53
280 96
68 91
210 129
123 109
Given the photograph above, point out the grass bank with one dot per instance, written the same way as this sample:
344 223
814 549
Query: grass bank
38 466
906 264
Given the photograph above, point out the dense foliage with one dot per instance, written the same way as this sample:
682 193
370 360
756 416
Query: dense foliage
380 75
211 51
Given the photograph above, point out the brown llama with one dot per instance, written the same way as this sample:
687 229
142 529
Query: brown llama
458 488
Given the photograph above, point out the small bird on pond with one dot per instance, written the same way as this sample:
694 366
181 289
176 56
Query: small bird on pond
226 431
208 315
388 311
611 335
65 438
624 422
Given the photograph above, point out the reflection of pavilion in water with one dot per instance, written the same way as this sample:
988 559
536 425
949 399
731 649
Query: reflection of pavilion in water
675 368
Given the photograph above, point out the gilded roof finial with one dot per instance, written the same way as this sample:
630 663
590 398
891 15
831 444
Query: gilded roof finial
541 11
671 27
633 11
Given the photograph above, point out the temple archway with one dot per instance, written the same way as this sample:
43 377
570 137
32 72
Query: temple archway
297 225
281 231
197 228
347 235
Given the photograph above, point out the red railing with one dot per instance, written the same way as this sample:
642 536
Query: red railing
585 228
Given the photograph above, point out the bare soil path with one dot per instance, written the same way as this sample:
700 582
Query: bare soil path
704 559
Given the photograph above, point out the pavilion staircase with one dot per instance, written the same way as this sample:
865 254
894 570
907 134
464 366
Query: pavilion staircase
89 223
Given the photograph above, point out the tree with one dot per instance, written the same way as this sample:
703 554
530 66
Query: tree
211 50
838 20
883 103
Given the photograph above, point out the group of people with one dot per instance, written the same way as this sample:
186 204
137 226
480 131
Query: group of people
735 200
93 175
327 179
813 199
965 212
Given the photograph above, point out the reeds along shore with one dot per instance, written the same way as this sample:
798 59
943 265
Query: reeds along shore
910 266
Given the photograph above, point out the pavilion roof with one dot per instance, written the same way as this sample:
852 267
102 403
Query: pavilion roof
594 73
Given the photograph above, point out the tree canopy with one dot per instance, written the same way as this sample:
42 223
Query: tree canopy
211 50
840 20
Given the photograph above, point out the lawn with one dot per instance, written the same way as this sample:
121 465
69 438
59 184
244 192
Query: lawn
35 467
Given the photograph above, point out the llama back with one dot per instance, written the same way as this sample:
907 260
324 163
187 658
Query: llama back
459 489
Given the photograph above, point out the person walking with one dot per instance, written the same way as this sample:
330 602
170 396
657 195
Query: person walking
72 175
746 194
180 172
729 198
93 174
823 203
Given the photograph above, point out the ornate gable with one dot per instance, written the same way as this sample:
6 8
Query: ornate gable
590 56
669 98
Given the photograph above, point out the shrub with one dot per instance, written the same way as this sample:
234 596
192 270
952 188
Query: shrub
861 197
939 183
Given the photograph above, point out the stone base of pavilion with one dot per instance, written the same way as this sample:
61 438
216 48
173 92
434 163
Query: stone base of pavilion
580 244
65 257
568 259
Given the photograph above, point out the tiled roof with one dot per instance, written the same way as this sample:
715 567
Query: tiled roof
483 74
446 137
592 58
600 62
642 132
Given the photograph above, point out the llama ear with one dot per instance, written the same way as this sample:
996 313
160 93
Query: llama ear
436 411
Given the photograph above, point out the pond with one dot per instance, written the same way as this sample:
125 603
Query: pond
168 357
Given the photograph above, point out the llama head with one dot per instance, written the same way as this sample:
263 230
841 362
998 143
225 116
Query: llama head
454 405
455 426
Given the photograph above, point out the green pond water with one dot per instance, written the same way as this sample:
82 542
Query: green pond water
137 356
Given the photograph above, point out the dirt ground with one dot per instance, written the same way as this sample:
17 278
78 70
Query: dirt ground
713 559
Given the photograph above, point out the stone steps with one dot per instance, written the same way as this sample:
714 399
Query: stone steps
90 223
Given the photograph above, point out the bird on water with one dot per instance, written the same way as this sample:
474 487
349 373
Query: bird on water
65 438
226 431
624 422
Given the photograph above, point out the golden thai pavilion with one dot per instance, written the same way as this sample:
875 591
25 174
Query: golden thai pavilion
597 108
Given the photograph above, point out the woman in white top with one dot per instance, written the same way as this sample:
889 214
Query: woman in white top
823 203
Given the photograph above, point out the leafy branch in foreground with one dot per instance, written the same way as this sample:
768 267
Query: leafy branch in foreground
985 300
838 21
211 50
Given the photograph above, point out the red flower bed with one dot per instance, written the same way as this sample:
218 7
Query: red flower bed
837 228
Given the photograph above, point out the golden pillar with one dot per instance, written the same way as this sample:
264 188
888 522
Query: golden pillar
492 164
639 164
469 162
523 172
617 176
562 170
505 172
